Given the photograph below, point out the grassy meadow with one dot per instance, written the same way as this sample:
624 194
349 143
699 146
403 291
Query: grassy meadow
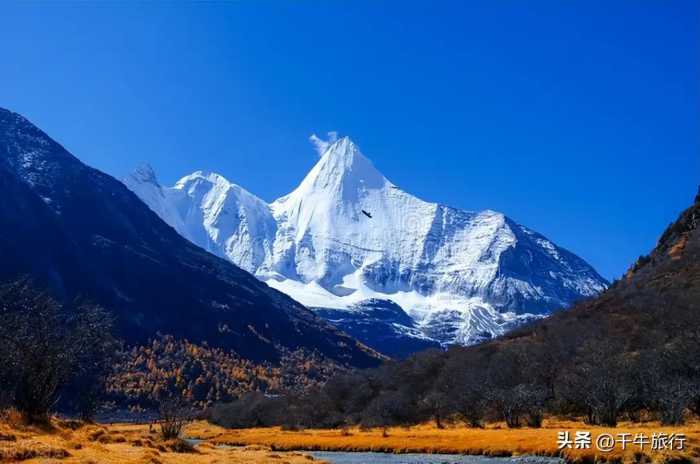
493 440
72 442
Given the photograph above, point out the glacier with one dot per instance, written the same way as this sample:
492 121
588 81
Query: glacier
347 237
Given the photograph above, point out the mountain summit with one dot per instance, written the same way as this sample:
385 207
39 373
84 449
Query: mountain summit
342 169
347 236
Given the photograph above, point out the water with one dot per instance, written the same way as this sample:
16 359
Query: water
387 458
193 441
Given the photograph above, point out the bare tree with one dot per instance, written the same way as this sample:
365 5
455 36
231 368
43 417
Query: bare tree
45 345
436 403
175 413
505 386
599 381
675 395
675 385
470 398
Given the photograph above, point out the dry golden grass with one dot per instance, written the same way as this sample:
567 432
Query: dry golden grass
494 440
72 443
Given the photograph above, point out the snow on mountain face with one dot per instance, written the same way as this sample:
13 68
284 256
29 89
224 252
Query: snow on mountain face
347 235
208 210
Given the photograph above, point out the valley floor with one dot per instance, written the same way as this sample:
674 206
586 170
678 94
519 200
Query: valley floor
494 440
72 443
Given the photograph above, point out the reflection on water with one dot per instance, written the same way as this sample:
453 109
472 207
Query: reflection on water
386 458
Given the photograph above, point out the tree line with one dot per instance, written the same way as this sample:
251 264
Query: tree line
516 383
631 354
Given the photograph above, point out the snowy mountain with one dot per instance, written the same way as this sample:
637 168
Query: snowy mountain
217 215
347 235
81 234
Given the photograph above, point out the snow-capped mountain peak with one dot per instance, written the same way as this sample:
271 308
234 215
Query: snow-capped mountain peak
346 235
343 163
212 179
342 174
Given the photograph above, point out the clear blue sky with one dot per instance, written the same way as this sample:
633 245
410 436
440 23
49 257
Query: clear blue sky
578 119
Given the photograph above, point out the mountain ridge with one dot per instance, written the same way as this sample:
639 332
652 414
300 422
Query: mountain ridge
347 234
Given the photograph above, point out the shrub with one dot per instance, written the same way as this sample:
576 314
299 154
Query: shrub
174 415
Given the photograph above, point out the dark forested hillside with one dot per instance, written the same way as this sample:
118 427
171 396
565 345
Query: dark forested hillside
80 232
633 352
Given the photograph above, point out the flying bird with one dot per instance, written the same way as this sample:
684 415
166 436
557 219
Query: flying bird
366 214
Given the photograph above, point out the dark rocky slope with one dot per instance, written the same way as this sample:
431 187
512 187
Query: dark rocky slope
83 233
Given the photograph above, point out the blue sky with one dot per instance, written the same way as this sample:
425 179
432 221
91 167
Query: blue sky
578 119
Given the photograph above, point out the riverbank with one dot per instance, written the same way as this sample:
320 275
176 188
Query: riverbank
71 442
493 440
